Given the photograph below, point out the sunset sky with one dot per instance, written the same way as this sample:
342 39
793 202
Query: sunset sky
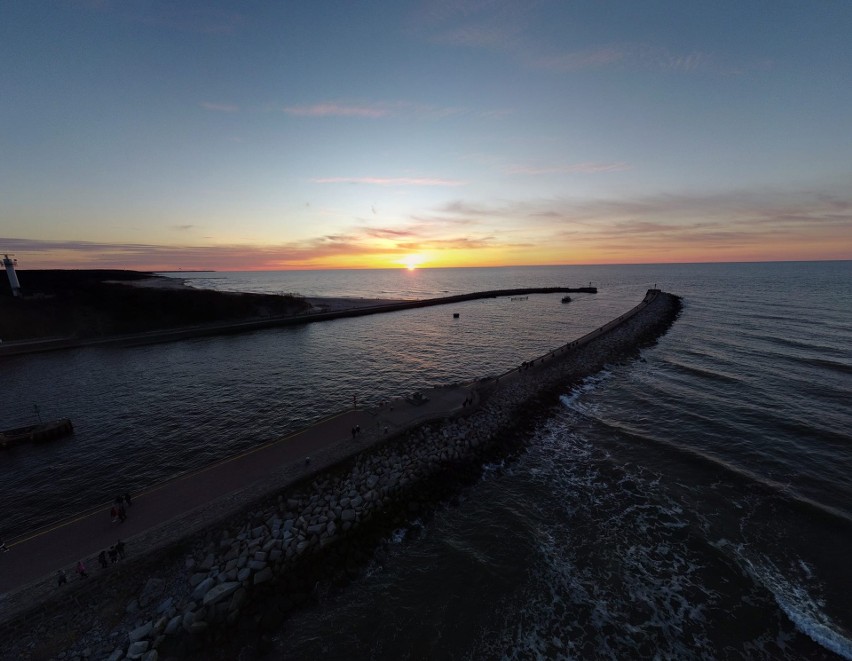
278 135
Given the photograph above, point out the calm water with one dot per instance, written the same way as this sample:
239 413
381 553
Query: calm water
696 503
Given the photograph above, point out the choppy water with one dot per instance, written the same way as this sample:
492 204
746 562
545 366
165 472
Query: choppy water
696 503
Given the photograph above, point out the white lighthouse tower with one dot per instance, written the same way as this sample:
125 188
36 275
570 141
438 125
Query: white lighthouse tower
13 277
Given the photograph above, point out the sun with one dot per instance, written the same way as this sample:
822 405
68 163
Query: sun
411 262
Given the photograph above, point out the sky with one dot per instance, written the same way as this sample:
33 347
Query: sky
267 135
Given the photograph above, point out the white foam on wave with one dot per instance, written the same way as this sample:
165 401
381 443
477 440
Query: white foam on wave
805 611
574 399
614 573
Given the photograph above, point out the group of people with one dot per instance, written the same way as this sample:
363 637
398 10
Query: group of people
116 552
119 508
356 430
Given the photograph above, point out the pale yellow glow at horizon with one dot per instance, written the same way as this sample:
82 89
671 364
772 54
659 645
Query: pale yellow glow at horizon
411 262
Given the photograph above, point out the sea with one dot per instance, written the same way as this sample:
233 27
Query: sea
691 502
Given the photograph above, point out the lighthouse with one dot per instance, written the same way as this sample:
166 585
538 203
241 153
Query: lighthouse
13 277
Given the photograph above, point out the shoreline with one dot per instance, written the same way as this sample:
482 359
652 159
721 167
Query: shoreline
498 400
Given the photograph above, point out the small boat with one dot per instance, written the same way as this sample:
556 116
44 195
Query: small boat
46 431
566 299
520 298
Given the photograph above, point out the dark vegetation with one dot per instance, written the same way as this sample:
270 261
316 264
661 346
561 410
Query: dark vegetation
101 303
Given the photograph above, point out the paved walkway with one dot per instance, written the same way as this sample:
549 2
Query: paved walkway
33 557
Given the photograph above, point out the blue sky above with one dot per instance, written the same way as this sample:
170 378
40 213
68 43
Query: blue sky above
317 135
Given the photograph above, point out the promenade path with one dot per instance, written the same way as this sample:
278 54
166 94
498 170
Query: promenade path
198 499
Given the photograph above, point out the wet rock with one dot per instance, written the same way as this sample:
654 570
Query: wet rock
263 576
137 649
140 632
195 579
220 592
202 588
173 625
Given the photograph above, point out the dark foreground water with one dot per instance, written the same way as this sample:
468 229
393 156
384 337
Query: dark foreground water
694 503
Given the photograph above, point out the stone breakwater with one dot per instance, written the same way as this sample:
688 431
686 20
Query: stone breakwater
240 577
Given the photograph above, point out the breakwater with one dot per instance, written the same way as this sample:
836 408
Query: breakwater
254 567
232 327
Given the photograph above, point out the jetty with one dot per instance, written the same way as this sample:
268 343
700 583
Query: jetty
206 550
21 347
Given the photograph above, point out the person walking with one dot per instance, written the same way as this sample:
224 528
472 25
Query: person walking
122 513
113 555
102 559
81 569
127 500
61 578
119 547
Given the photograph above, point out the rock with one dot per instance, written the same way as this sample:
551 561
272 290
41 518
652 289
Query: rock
117 654
172 626
165 605
238 600
263 576
140 632
254 565
208 563
198 627
203 588
195 579
137 649
132 607
152 655
220 592
347 515
188 619
243 574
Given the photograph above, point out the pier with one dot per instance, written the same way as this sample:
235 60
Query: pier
258 491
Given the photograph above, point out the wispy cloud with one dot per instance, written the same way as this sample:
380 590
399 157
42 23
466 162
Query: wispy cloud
573 61
379 110
509 28
338 110
390 181
734 225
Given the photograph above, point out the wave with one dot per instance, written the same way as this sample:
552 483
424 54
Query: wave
706 459
572 399
803 609
703 372
799 344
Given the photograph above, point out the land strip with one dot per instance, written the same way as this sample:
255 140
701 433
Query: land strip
231 327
